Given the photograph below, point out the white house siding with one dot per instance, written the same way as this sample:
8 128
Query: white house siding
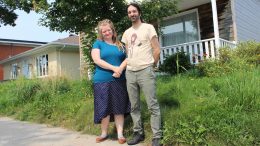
247 17
52 63
7 67
70 64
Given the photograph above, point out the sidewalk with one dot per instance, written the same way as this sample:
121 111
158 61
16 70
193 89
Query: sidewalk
17 133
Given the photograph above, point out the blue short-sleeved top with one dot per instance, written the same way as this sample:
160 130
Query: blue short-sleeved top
112 55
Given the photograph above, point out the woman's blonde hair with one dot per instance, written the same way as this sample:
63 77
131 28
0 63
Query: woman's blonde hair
114 36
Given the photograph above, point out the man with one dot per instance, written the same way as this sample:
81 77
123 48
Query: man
143 52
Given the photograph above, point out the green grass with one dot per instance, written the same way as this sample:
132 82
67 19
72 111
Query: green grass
224 109
195 111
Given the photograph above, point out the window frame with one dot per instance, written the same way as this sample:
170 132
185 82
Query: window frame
14 70
42 68
180 15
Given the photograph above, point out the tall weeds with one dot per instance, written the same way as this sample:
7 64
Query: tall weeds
216 104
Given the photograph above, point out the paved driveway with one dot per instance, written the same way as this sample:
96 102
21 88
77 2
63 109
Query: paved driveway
17 133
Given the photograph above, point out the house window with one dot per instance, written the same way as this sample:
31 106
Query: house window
180 29
14 71
25 69
42 65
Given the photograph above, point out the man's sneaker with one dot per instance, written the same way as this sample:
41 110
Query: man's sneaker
156 142
136 139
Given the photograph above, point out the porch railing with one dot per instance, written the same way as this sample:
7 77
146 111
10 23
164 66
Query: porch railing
197 50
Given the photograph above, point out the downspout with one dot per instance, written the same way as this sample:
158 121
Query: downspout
215 23
60 57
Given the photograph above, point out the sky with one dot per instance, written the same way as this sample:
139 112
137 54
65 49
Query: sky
27 28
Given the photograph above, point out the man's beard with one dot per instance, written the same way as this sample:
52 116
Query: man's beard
134 18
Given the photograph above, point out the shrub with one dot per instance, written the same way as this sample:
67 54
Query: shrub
244 57
249 51
176 63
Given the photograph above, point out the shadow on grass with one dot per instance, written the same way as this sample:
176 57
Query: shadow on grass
169 103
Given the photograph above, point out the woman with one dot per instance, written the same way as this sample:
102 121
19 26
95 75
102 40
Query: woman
110 95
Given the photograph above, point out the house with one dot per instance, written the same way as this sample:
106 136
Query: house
57 58
10 47
203 26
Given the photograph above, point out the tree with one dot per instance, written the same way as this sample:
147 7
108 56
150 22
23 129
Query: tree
78 16
7 7
82 16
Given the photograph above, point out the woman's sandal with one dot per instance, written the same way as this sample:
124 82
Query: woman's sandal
101 139
121 140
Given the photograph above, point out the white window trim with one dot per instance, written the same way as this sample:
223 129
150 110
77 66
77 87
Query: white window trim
14 76
182 14
38 74
25 64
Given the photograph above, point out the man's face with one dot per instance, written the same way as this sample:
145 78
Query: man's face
133 13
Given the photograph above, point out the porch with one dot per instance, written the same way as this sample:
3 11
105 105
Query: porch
199 29
197 50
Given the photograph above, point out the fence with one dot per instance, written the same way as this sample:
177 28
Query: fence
197 50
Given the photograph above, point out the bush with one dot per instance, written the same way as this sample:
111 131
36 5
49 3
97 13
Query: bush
249 51
176 63
244 57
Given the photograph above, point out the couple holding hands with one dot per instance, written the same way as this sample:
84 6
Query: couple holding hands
121 71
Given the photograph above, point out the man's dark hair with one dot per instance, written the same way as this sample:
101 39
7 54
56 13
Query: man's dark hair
137 7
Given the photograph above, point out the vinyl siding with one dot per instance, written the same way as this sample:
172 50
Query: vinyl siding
70 64
247 17
65 64
8 51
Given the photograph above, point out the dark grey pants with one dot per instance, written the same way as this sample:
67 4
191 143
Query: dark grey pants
144 80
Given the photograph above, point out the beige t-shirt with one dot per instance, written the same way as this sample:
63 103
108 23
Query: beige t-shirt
139 51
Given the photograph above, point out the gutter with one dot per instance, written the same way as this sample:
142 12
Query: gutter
20 42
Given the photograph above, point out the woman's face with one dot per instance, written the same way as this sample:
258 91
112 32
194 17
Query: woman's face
106 32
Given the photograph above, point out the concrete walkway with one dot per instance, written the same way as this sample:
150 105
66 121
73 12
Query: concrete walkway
17 133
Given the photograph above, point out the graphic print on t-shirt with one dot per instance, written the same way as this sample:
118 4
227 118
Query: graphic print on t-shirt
133 44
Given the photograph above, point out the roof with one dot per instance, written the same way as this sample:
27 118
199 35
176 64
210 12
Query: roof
72 39
69 43
21 42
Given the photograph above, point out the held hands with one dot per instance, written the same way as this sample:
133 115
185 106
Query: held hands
116 75
117 71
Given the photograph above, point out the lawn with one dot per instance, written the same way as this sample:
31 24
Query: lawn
216 103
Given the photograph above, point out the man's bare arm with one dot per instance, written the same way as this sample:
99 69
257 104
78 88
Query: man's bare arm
156 49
